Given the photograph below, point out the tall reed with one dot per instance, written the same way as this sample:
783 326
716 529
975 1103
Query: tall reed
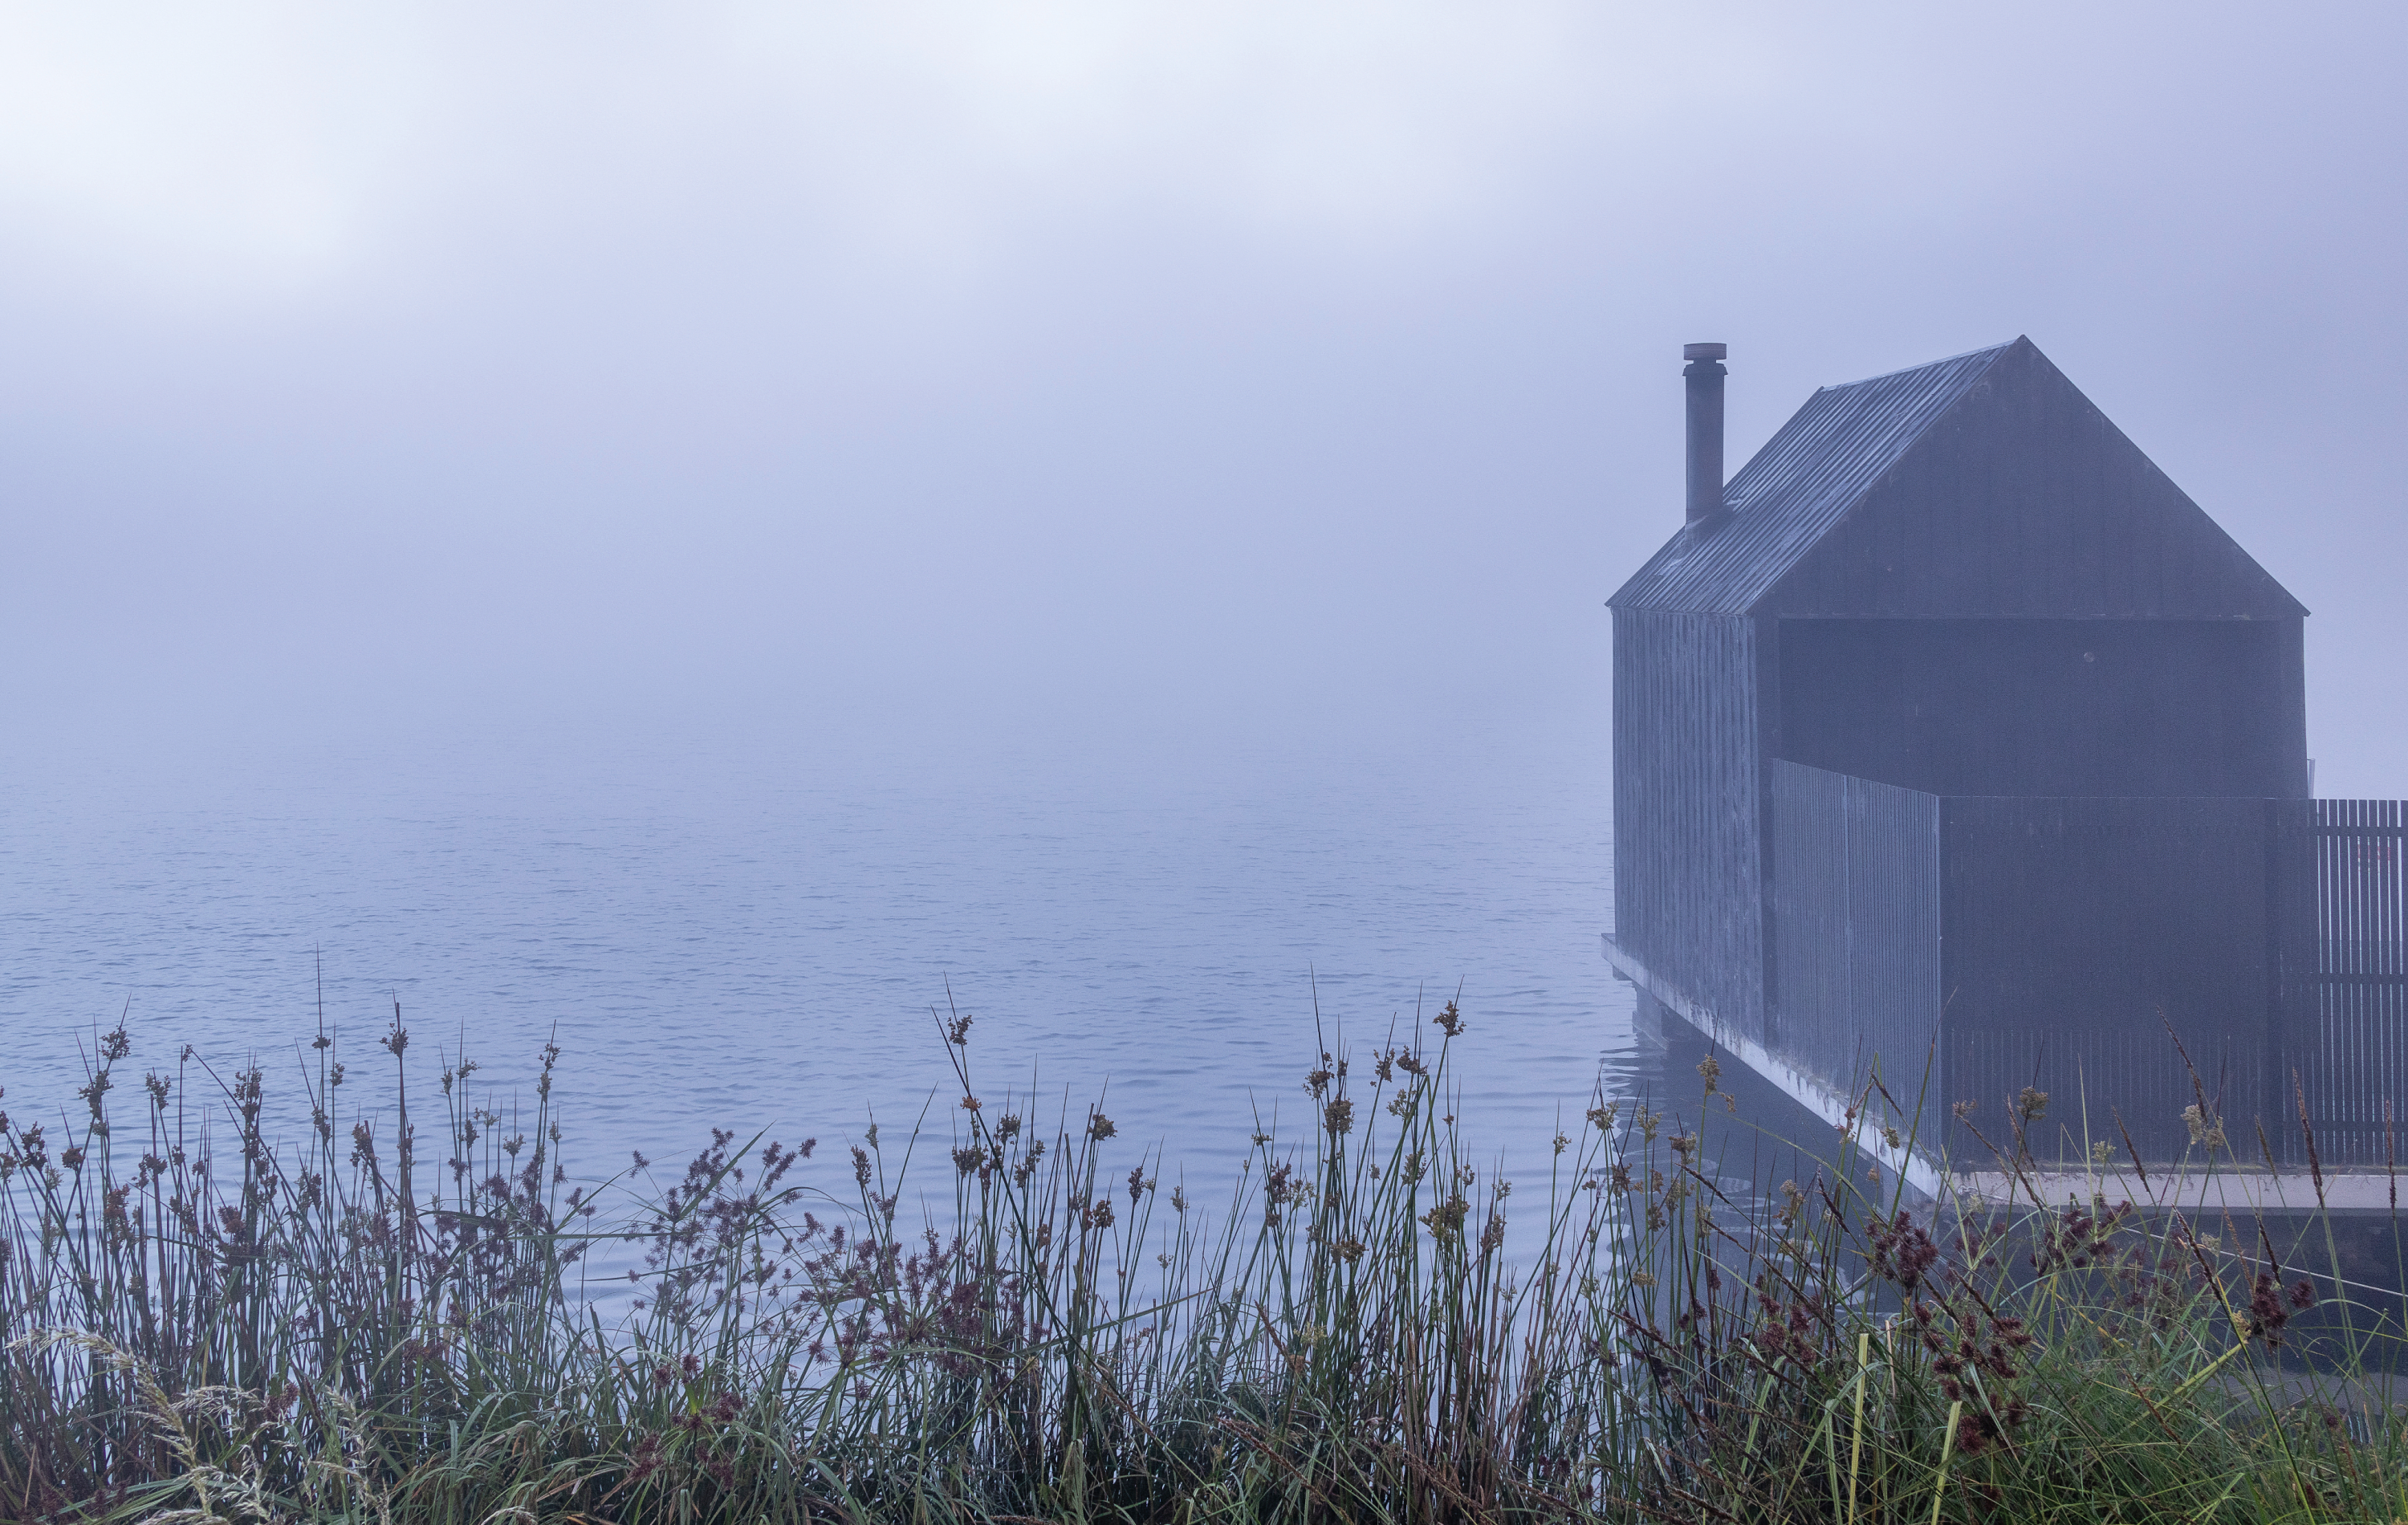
202 1322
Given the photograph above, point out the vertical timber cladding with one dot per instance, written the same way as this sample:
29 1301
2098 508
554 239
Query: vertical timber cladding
1687 847
1854 895
2092 943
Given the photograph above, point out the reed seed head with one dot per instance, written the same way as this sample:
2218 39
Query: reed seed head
1445 1220
2207 1129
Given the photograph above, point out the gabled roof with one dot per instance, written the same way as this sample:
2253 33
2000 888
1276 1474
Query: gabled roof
1982 485
1798 486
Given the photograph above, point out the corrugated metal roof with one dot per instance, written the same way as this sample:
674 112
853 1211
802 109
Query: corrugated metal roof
1797 487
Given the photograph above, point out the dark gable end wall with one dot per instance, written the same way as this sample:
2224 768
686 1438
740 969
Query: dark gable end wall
2024 501
2023 604
2026 615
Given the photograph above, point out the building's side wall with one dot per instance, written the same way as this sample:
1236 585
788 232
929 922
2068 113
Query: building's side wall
1687 845
2049 707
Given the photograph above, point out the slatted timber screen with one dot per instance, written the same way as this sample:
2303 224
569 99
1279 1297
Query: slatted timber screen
2354 1067
1855 896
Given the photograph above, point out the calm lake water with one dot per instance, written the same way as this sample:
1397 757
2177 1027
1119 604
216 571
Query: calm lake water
754 944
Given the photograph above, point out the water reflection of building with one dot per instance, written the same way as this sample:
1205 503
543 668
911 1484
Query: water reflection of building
1953 742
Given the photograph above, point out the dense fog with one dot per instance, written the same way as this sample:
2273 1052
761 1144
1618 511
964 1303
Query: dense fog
1146 393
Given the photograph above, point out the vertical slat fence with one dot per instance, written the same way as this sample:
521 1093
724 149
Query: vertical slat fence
2354 1073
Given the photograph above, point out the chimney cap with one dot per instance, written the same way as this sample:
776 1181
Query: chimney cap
1705 351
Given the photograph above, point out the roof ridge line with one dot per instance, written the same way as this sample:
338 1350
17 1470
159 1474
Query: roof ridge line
1992 349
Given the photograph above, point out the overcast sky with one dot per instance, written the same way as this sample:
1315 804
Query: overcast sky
1125 381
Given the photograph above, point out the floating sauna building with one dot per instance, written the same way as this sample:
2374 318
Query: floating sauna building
1953 742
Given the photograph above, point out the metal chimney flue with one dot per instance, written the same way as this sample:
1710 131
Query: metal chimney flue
1705 375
